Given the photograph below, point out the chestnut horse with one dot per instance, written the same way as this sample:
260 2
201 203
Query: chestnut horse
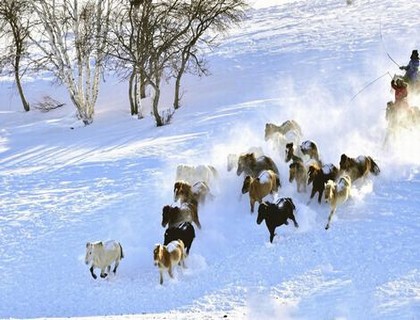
252 166
358 167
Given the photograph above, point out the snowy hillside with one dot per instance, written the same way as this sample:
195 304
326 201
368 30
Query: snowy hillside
311 61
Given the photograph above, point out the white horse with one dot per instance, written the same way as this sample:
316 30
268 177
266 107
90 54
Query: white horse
336 194
193 174
102 254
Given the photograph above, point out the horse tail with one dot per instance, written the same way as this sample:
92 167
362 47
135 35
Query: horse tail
374 167
121 251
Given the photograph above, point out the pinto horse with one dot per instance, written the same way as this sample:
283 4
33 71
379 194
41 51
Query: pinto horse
252 166
336 193
358 167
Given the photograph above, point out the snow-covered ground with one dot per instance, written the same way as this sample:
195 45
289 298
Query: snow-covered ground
311 61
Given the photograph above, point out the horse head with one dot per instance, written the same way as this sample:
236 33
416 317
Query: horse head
262 212
182 189
270 129
344 162
288 152
90 250
292 171
247 184
245 162
158 253
167 212
313 170
290 202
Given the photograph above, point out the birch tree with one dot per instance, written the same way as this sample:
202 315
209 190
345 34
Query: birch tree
160 40
204 18
72 39
14 32
129 39
146 38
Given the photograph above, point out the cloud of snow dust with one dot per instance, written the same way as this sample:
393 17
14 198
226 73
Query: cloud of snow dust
354 125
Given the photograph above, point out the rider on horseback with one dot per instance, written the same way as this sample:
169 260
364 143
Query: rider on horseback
399 110
412 68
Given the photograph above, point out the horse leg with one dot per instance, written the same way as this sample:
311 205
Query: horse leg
320 192
292 217
195 219
182 261
170 271
92 273
329 219
272 234
252 204
103 274
161 276
312 195
117 262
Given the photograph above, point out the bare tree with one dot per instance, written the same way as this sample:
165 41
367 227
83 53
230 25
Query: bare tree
72 38
145 38
129 37
159 40
14 30
204 16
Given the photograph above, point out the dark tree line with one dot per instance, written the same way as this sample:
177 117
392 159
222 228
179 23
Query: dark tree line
146 42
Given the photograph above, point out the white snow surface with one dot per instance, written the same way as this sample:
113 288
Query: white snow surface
312 61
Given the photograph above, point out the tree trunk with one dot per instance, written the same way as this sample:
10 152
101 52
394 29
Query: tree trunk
143 83
19 86
156 114
131 94
178 86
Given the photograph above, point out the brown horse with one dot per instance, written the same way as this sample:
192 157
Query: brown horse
290 154
358 167
310 149
306 148
267 183
174 216
318 176
252 166
297 171
198 193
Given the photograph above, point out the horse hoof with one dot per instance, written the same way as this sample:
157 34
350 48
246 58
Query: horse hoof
104 275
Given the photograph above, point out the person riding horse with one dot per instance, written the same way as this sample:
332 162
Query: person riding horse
398 110
412 68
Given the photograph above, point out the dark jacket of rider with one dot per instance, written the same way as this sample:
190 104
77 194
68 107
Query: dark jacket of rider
412 68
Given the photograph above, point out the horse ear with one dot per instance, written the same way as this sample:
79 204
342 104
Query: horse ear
88 244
